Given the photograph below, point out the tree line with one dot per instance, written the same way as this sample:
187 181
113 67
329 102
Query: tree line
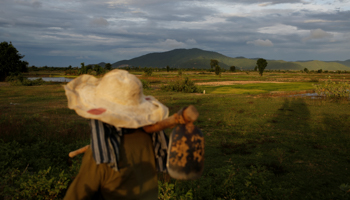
261 64
11 64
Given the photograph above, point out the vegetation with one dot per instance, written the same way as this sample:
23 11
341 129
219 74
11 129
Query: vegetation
217 70
145 84
332 89
20 80
261 65
148 71
262 141
200 59
214 63
10 61
108 66
167 68
182 85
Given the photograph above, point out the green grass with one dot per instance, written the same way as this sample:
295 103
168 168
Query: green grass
257 88
256 147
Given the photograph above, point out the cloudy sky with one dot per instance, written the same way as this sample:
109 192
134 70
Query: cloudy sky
68 32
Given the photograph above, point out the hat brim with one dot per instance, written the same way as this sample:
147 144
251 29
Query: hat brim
81 94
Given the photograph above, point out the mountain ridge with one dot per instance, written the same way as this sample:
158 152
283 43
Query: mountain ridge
196 58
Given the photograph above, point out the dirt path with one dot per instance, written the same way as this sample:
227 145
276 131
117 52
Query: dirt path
234 82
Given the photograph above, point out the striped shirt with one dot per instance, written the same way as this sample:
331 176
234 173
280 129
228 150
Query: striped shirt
105 142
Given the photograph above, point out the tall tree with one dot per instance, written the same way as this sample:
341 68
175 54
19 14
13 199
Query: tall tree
108 66
98 69
261 64
213 63
10 60
217 70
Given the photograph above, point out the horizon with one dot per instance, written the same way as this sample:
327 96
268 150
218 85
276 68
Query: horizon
185 49
62 33
189 49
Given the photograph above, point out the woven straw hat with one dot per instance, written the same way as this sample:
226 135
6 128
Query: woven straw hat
117 98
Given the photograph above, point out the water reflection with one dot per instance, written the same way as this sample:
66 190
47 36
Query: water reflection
311 95
53 79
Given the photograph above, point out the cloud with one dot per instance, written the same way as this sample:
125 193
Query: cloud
122 29
191 41
30 3
37 4
260 42
171 43
82 57
318 34
265 4
100 21
281 29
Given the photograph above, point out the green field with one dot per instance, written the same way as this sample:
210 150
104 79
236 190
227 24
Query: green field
258 145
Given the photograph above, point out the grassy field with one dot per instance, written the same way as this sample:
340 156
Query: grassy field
259 145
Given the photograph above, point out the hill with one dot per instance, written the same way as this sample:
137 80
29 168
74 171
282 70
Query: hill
316 65
200 59
346 62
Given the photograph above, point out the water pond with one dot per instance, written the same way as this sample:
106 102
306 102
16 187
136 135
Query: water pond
310 95
53 79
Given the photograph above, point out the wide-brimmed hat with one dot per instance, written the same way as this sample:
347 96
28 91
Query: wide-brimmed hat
117 99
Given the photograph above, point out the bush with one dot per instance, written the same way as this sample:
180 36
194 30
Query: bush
333 89
148 71
217 70
167 191
346 189
18 79
145 84
233 182
24 176
30 185
182 85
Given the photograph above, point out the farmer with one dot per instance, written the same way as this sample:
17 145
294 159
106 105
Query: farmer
122 160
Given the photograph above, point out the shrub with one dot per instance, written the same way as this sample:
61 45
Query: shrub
333 89
217 70
18 79
346 189
233 182
169 191
145 84
182 85
148 71
40 185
